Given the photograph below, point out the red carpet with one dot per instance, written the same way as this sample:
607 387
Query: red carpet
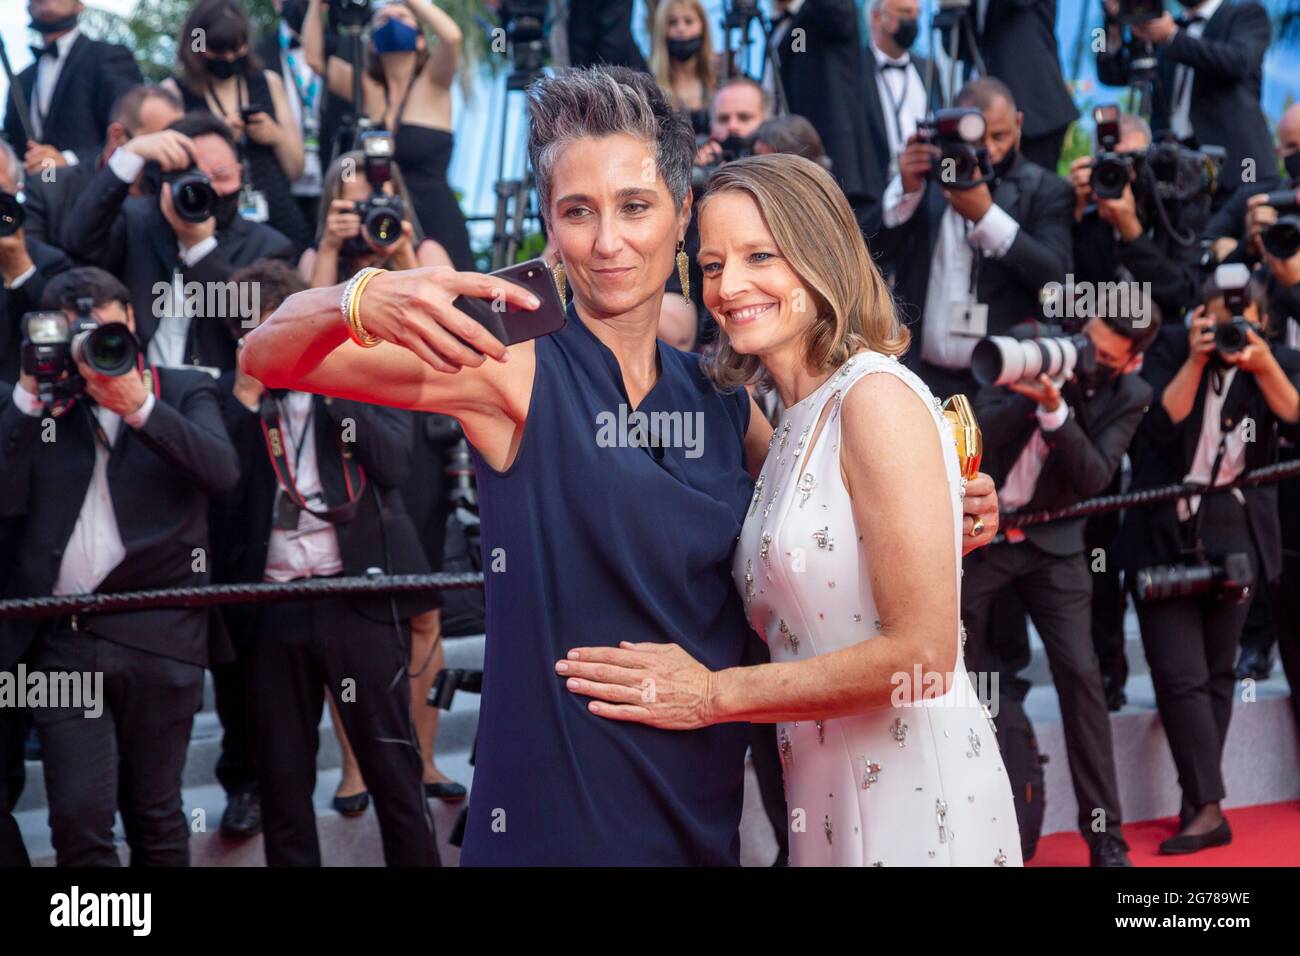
1266 835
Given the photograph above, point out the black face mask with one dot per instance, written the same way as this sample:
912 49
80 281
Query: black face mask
225 209
906 33
293 12
61 25
1003 166
1292 164
682 50
737 147
225 69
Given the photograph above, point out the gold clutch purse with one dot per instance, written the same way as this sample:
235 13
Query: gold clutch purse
970 441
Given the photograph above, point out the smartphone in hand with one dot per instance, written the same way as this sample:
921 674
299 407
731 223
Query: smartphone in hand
511 325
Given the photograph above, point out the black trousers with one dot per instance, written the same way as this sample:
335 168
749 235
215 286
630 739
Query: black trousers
1287 595
236 768
299 649
1057 593
14 724
1108 598
128 759
600 31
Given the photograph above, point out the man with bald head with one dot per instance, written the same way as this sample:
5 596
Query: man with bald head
1245 216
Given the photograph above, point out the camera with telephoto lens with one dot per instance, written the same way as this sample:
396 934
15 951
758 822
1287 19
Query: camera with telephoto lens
193 197
381 214
1233 281
1140 11
524 23
12 213
349 13
1111 171
959 134
1282 238
1032 349
53 345
1229 578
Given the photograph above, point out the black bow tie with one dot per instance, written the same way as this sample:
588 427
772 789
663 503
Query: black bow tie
39 51
893 66
1188 21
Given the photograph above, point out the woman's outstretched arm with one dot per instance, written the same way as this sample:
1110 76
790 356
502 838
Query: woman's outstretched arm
902 510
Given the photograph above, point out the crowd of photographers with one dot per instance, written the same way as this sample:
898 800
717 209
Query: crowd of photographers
1125 327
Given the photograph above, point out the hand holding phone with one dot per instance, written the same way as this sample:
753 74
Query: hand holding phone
510 325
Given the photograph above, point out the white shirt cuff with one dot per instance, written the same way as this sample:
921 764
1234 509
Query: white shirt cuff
31 271
125 164
141 415
899 205
1051 421
26 402
995 232
197 251
70 157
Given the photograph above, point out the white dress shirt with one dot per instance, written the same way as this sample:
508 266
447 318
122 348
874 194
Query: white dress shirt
95 547
951 263
1022 480
1180 118
1207 447
902 99
312 550
48 69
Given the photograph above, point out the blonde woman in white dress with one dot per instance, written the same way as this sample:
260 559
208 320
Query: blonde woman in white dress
849 559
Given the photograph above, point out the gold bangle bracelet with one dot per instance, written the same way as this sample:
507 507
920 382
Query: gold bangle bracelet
355 329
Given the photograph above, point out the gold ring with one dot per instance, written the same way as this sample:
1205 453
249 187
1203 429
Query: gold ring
977 528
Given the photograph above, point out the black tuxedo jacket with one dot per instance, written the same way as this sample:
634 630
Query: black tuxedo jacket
1043 205
1225 110
160 478
878 121
1018 46
381 535
14 303
1150 535
93 76
50 200
128 236
1084 455
823 82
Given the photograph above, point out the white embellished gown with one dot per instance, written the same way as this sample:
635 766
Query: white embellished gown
918 785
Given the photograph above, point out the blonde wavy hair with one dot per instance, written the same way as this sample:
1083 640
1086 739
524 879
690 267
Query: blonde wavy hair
660 61
808 216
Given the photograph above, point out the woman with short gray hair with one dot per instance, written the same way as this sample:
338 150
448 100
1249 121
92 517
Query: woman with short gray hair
593 532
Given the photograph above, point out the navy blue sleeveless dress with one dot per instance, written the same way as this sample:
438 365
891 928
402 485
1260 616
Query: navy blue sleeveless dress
606 541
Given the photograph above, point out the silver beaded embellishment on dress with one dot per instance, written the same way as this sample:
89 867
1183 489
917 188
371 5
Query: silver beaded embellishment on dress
764 543
803 440
806 485
821 732
787 749
758 493
749 580
871 773
1000 859
771 501
857 618
974 740
790 636
772 441
785 432
899 729
824 539
826 826
962 627
940 812
961 488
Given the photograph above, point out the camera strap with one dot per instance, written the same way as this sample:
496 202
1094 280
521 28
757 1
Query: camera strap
401 105
354 476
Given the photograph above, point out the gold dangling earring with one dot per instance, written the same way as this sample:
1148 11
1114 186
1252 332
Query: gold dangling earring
684 271
561 282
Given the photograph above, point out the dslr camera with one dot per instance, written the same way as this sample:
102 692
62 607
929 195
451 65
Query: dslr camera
1166 172
1229 578
52 345
1030 350
381 214
12 213
959 134
1233 280
193 197
733 147
1282 239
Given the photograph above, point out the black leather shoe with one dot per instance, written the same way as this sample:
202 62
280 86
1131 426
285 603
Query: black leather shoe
1190 843
452 792
1254 664
354 805
243 816
1108 851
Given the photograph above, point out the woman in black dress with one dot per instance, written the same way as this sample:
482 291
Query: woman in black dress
406 88
217 72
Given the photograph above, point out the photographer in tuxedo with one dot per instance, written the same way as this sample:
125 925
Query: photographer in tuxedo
69 90
1209 71
1051 444
152 246
26 264
137 457
139 111
971 262
1017 41
326 505
1236 227
1221 415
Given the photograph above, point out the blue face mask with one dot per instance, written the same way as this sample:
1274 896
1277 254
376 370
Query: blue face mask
394 36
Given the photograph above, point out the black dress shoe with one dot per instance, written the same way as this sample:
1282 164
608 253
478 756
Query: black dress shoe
451 792
354 805
1190 843
1255 664
243 816
1108 851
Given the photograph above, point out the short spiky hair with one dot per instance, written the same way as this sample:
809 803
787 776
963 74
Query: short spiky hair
605 101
